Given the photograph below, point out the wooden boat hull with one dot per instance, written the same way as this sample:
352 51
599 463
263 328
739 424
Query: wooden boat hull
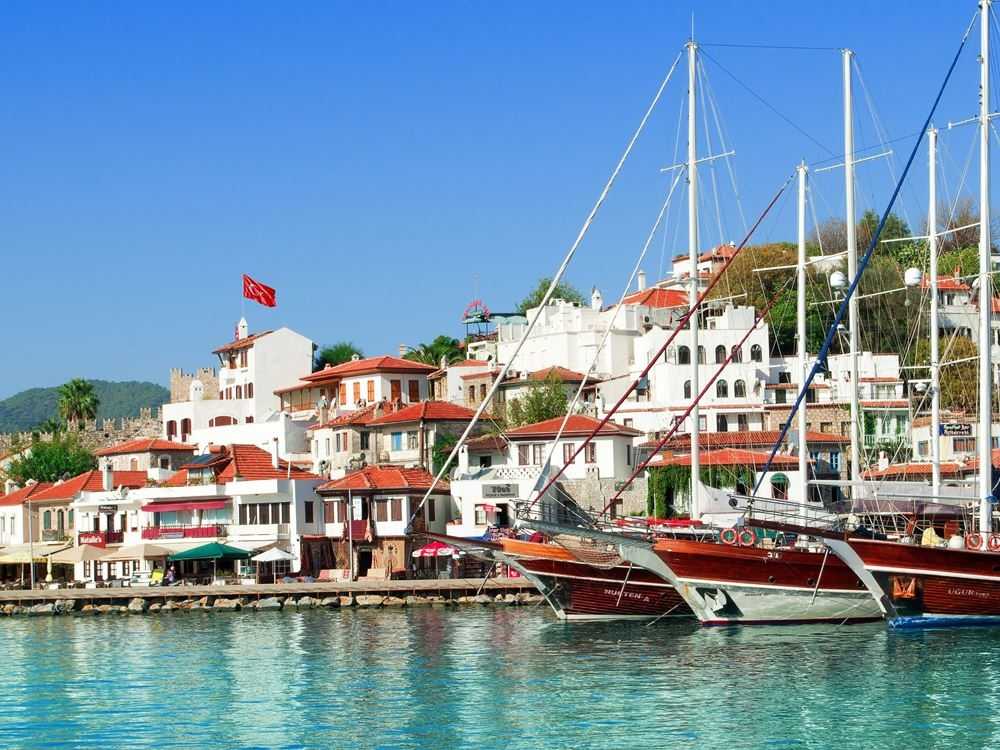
728 585
953 586
579 591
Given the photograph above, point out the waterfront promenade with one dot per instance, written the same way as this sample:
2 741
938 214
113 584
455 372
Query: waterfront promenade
446 588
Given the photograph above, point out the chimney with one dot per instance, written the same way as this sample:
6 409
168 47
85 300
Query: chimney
403 348
596 299
883 461
9 486
274 452
640 280
242 330
107 476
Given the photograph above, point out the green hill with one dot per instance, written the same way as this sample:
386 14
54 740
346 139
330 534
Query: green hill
26 409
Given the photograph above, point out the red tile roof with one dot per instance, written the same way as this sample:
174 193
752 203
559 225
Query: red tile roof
383 479
471 363
145 445
360 416
91 481
367 366
493 443
238 344
728 457
916 471
559 373
428 411
749 439
946 284
660 298
242 463
17 497
578 425
722 252
484 374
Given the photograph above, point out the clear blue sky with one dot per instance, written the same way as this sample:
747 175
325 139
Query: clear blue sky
379 162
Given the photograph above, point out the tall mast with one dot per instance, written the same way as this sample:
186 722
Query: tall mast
852 269
935 354
800 299
692 177
985 283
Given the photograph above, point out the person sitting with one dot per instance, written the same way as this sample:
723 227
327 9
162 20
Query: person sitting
171 577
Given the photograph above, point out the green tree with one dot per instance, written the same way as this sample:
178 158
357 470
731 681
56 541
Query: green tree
544 400
442 347
50 460
965 260
443 444
562 291
336 354
958 381
77 401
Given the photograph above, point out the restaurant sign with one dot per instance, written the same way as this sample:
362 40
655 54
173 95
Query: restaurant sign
177 534
499 490
107 508
96 538
956 429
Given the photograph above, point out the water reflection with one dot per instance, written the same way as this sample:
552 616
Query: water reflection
487 678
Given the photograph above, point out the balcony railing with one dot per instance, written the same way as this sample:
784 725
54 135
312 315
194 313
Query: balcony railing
184 532
101 538
55 535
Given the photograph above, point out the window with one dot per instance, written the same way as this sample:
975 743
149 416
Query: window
739 389
414 391
371 391
826 427
248 420
309 511
365 440
60 520
326 445
835 460
164 462
69 519
357 392
171 430
485 462
396 441
960 445
701 355
720 354
702 423
249 390
721 423
845 428
229 393
431 510
395 509
687 389
756 353
395 390
47 520
722 389
537 451
336 441
785 378
480 515
239 391
264 514
343 394
923 448
683 356
185 429
243 358
590 453
781 397
627 422
286 512
482 391
328 512
568 449
628 454
522 455
382 510
811 396
412 440
779 487
737 353
742 423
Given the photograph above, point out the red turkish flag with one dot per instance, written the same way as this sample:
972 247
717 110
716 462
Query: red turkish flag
258 292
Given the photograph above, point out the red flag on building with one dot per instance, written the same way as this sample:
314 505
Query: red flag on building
258 292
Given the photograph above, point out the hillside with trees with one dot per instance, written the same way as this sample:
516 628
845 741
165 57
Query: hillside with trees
36 407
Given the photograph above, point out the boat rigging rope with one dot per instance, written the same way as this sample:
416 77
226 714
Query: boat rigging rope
862 265
548 292
680 326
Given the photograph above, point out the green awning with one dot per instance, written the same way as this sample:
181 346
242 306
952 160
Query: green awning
212 551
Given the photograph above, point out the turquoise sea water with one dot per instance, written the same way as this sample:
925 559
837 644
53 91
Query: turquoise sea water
487 678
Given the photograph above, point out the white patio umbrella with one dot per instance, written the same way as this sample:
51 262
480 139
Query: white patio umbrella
272 556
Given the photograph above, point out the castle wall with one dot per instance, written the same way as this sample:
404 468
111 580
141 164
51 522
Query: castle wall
180 383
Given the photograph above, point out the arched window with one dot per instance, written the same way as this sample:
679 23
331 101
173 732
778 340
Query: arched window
721 423
701 355
737 353
249 390
739 389
60 520
239 391
687 389
720 354
722 389
47 520
756 355
185 428
171 430
69 518
683 355
133 464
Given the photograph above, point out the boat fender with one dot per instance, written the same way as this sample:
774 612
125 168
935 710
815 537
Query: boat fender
748 538
973 541
994 543
728 536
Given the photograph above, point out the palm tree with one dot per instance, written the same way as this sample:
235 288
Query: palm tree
442 347
77 401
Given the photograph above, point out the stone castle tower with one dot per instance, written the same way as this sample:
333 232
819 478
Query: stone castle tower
180 383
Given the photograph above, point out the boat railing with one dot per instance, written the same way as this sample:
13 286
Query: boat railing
776 513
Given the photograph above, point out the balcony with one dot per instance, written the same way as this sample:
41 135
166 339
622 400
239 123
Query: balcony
209 531
55 535
100 538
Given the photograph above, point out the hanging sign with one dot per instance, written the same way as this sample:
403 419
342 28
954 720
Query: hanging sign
107 508
956 429
499 490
